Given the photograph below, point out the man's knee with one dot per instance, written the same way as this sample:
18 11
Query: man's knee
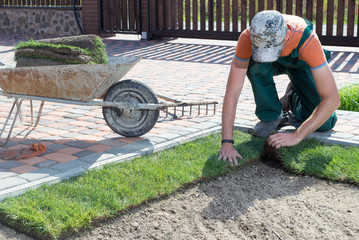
329 124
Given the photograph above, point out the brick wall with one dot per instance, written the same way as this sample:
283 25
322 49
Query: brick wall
34 21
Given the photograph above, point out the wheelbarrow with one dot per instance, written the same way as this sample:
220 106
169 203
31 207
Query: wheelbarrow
130 108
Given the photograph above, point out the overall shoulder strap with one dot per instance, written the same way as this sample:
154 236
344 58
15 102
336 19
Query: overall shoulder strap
308 30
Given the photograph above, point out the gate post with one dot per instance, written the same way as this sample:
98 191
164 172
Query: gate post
90 16
145 19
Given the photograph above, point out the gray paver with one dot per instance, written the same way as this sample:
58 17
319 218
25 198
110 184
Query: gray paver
70 134
95 126
170 135
45 164
5 173
44 129
192 130
156 139
119 150
10 164
55 147
73 115
321 134
205 125
183 132
79 144
342 135
83 153
97 157
112 136
78 111
29 141
217 120
347 116
244 122
44 122
67 166
89 131
139 146
354 124
38 174
198 120
112 143
10 182
53 138
64 120
117 159
91 119
67 127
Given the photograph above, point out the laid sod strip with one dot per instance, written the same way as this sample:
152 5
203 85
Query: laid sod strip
56 211
349 98
331 162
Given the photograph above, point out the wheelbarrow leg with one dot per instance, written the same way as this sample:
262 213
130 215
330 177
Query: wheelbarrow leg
32 114
18 105
38 114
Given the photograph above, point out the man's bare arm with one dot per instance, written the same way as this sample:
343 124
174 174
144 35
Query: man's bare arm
233 90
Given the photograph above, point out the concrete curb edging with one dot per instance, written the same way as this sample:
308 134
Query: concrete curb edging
20 189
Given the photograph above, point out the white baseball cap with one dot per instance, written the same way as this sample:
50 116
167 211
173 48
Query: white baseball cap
267 30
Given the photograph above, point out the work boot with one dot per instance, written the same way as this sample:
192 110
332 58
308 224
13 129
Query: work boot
265 128
285 99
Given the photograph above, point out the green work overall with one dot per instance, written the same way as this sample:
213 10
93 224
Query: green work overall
305 97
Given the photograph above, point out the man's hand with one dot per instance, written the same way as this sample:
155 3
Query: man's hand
284 139
228 152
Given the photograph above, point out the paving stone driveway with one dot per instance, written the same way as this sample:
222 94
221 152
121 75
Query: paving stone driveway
78 138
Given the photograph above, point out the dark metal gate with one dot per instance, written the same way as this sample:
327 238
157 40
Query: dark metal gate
120 16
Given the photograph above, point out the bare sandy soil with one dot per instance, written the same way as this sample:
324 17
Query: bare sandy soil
255 202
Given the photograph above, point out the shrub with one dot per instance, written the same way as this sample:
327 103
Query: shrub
349 98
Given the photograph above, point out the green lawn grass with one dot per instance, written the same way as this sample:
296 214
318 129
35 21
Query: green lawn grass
56 211
349 98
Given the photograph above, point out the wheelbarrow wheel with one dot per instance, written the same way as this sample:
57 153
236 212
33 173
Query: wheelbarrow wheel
132 123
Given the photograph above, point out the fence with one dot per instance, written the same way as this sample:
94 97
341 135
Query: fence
336 21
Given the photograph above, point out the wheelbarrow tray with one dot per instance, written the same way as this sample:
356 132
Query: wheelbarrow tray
70 82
